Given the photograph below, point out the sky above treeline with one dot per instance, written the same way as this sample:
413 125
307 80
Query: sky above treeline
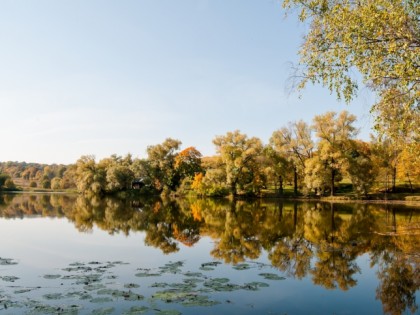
106 77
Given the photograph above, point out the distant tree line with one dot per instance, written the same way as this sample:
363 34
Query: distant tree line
312 159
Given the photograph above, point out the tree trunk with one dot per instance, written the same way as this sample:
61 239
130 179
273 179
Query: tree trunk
409 182
233 189
394 178
281 185
332 182
295 181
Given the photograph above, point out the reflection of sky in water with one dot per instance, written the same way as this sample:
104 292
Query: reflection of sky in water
45 246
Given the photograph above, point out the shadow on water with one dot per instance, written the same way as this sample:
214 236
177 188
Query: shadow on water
315 240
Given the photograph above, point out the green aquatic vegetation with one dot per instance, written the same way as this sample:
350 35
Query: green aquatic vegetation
21 291
173 296
136 310
172 267
159 285
49 309
53 296
193 274
90 284
254 286
193 280
209 266
147 274
271 276
50 277
88 279
81 295
186 298
221 285
9 278
7 261
241 267
103 311
126 295
199 300
93 287
167 312
183 286
78 268
104 299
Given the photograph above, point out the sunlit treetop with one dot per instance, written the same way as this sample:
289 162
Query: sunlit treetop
380 38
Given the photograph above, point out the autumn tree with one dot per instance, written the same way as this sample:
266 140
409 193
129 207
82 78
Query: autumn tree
161 164
239 155
379 38
89 177
361 167
295 144
334 134
276 167
118 175
188 162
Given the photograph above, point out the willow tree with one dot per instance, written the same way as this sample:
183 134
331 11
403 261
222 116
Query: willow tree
334 134
294 143
378 38
239 155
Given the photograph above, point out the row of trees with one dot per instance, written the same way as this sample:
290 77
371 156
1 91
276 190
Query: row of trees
312 158
54 176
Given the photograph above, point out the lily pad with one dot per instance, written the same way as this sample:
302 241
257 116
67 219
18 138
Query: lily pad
167 312
7 261
147 274
9 278
221 285
136 310
20 291
81 295
52 276
53 296
104 299
193 274
103 311
209 266
172 295
255 286
94 286
131 286
241 267
172 267
199 300
271 276
159 285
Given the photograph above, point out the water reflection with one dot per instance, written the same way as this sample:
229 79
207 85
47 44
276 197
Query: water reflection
316 240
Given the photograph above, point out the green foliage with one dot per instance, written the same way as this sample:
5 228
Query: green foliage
379 38
239 155
161 164
46 183
56 183
3 179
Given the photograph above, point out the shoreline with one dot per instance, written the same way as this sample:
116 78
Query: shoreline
336 199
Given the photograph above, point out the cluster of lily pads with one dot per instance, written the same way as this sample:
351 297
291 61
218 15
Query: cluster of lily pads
94 288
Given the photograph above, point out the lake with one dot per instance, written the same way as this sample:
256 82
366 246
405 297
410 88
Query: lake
67 254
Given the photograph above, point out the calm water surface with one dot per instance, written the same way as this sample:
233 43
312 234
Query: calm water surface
65 254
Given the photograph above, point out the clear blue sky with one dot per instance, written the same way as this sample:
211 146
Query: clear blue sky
102 77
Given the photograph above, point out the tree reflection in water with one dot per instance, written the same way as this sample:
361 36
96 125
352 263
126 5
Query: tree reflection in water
316 240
